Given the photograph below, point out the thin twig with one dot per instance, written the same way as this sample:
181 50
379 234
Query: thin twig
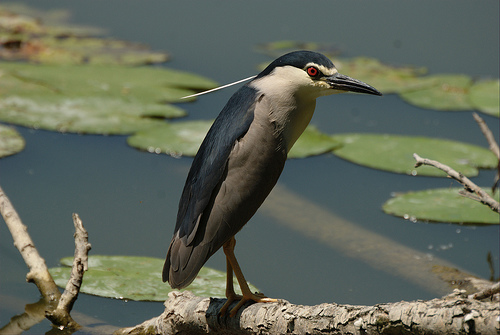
492 145
469 186
60 315
488 134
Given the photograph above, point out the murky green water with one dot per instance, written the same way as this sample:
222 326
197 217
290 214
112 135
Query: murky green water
128 199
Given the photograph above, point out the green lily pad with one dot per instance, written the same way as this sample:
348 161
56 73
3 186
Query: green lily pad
174 139
87 50
394 153
485 97
143 84
441 205
448 92
92 99
386 78
313 142
10 141
92 115
137 278
184 139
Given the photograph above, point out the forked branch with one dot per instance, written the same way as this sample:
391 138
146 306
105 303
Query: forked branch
58 306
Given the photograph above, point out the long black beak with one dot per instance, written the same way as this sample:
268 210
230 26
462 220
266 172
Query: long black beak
344 83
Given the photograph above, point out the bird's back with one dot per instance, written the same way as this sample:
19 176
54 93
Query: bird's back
213 211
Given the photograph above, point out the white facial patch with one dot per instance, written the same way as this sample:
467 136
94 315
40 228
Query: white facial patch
325 70
288 81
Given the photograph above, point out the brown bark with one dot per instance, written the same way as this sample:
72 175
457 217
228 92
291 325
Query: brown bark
187 314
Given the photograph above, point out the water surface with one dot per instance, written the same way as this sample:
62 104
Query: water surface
128 199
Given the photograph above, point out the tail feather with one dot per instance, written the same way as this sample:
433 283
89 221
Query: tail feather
183 263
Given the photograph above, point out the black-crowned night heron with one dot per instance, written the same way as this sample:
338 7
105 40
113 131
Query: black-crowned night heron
241 159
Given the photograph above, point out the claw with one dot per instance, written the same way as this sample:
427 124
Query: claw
259 297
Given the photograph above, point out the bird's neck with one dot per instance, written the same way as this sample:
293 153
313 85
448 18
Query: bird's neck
297 122
290 117
289 107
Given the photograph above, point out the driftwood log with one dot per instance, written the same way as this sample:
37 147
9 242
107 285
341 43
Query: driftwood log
454 314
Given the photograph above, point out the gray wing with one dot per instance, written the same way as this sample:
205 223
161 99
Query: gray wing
205 175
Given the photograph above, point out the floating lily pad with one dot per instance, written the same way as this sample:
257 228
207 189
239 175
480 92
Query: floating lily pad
174 139
184 139
25 37
143 84
485 96
92 99
313 142
385 78
10 141
441 205
86 50
394 153
448 92
137 278
17 23
15 14
93 115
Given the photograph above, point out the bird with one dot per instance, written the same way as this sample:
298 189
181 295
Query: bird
240 161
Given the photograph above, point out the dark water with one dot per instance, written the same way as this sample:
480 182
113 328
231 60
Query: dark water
128 199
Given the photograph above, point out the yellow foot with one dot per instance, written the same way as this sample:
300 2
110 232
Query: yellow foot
257 297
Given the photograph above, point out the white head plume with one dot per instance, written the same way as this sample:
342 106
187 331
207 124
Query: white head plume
218 88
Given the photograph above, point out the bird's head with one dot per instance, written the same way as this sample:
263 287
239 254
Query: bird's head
308 72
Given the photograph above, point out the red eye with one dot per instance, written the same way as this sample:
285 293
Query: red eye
312 71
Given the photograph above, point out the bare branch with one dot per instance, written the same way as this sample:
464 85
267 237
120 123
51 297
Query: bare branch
469 186
187 314
60 316
38 271
488 134
492 145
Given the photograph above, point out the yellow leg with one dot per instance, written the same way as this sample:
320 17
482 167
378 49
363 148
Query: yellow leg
232 265
230 294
